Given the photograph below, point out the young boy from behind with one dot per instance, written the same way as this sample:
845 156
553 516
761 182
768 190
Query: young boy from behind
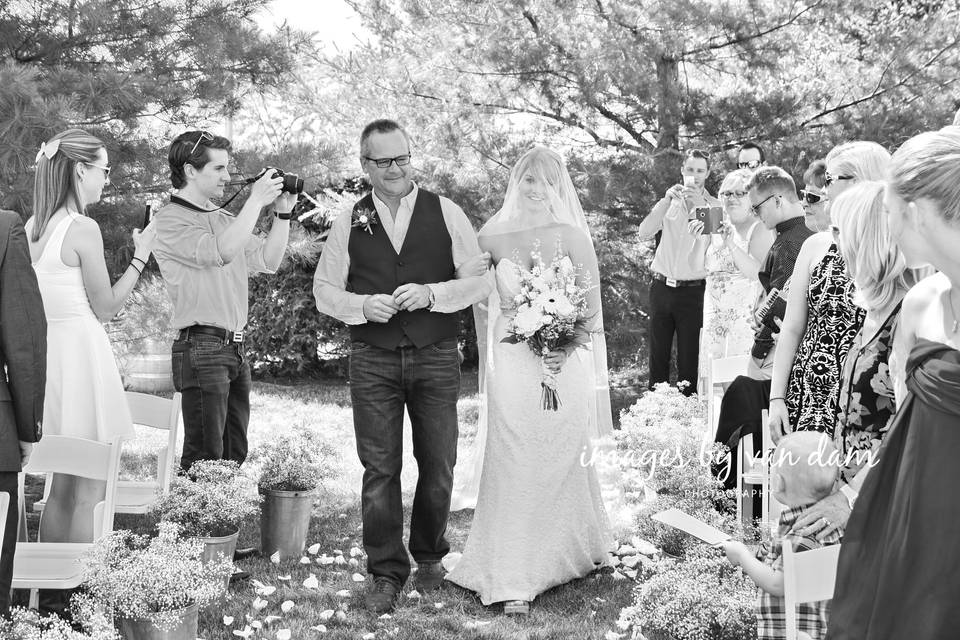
804 470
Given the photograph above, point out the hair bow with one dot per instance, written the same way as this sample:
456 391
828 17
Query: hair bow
48 149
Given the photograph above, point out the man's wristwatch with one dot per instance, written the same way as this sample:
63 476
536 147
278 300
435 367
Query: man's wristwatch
849 493
280 215
433 300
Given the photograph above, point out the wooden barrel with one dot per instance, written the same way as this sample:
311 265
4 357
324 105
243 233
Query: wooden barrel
150 371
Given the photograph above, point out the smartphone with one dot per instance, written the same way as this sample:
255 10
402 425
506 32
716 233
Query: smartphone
711 217
689 181
147 215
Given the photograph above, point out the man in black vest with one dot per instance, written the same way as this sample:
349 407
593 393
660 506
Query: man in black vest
388 271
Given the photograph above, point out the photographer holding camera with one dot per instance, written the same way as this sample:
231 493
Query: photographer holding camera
206 255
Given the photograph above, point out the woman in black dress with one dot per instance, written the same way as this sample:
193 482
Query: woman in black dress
899 571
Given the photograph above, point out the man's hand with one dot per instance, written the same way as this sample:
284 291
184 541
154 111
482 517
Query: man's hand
379 308
736 551
26 449
266 189
412 296
285 202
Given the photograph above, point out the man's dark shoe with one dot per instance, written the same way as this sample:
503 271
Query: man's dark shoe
247 552
430 575
382 595
238 576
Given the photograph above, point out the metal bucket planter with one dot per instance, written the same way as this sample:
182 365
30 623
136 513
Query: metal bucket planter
225 544
151 370
143 629
284 521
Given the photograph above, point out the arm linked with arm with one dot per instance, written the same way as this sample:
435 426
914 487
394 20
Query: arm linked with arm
454 295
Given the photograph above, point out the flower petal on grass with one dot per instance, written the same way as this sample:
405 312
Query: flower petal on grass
319 628
358 577
414 594
368 636
275 558
270 620
355 551
314 549
259 604
343 593
286 606
305 560
245 633
324 560
283 634
438 605
266 590
386 616
285 578
311 582
474 624
256 624
228 620
326 615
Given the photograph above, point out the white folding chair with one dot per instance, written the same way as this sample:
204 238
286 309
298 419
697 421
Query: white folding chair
720 372
147 410
808 576
754 471
4 507
159 413
57 565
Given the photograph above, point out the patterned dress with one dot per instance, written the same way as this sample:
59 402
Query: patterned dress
833 321
866 398
727 304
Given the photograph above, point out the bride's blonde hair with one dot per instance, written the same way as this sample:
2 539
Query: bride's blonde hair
55 183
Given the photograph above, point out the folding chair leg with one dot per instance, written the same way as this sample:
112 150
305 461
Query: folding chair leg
34 599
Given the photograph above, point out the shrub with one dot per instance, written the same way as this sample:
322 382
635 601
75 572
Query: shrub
298 461
137 577
213 501
701 598
665 464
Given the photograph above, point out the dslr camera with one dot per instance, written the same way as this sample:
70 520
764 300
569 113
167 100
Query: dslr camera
292 183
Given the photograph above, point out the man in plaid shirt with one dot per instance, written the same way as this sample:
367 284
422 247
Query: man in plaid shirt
804 469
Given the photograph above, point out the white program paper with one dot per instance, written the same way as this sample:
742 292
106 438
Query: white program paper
697 528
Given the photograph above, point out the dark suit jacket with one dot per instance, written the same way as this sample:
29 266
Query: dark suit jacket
23 344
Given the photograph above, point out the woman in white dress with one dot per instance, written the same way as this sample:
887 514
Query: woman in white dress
732 259
539 520
84 396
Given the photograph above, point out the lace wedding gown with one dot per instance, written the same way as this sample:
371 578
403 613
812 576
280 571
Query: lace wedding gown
539 520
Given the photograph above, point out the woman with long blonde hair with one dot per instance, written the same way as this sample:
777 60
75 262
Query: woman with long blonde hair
84 393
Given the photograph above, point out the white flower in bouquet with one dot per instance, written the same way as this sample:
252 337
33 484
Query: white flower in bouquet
528 320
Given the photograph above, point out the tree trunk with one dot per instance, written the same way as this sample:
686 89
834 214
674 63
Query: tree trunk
666 159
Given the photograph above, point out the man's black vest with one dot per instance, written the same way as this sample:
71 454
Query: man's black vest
425 257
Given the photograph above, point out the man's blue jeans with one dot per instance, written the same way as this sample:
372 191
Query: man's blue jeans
214 380
427 381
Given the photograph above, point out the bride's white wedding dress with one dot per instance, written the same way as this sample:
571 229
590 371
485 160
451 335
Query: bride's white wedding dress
539 520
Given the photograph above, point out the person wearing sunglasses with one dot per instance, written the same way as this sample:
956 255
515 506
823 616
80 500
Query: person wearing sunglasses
732 259
750 155
206 255
822 317
84 392
388 270
813 197
677 290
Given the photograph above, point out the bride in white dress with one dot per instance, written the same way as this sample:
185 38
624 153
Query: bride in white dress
539 520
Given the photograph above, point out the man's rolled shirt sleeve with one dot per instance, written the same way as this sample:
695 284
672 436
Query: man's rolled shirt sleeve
330 278
453 295
189 242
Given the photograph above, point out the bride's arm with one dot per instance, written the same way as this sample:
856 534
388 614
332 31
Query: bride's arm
583 256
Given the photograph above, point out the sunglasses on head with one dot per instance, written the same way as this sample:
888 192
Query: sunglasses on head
752 164
812 198
829 179
204 135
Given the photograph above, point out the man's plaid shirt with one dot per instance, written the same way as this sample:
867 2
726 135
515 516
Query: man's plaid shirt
771 612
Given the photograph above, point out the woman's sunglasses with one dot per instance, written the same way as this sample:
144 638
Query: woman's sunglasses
829 179
812 198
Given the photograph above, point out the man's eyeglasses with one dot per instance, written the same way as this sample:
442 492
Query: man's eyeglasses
733 194
812 198
829 179
751 164
106 170
756 208
383 163
204 135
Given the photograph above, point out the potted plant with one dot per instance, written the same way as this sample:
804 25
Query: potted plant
209 504
291 470
26 624
153 587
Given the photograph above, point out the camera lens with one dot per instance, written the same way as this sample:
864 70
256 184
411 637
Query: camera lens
292 183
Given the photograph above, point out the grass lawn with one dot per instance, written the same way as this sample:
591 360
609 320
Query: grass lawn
586 608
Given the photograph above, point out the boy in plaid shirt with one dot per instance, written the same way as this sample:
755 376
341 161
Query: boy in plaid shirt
804 469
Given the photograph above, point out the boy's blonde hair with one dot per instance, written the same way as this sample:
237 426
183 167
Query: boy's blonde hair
809 460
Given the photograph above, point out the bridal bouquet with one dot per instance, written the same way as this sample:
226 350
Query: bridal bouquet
549 307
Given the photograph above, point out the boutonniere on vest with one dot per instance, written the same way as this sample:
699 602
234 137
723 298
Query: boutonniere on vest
364 219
